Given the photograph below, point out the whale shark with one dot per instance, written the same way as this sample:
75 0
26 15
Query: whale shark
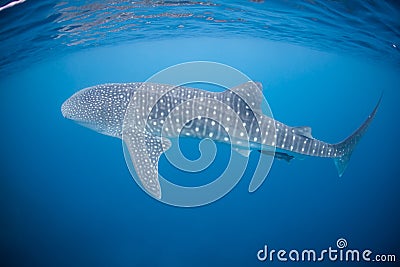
146 116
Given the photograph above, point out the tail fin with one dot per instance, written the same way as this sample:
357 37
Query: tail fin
346 147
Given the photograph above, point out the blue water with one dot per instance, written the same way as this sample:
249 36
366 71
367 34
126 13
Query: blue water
67 197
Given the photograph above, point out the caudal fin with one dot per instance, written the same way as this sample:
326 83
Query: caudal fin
346 147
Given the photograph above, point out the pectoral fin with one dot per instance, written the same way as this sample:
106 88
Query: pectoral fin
144 151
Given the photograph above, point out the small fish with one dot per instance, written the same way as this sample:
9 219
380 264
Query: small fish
147 115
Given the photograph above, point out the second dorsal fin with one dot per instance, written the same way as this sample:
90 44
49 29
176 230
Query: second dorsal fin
303 130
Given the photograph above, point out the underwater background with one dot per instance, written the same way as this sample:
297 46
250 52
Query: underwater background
66 195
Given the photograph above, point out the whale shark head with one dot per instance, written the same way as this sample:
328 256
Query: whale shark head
101 108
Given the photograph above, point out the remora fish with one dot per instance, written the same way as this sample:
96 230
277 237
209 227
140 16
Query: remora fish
146 115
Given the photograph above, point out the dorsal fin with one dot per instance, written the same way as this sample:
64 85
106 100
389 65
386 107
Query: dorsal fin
303 130
251 92
259 85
